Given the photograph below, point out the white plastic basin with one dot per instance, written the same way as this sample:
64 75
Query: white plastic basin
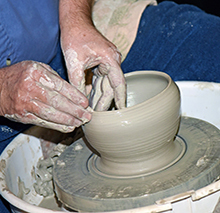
199 99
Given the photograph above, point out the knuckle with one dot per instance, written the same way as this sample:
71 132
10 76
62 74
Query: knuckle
55 100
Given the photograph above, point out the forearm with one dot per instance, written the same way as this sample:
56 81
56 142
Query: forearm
2 80
75 13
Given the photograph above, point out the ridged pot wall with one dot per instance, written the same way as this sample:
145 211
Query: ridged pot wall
139 138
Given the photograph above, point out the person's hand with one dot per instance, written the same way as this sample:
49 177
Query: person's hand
33 93
91 50
84 48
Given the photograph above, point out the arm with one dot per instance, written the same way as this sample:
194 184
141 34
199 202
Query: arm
75 12
84 47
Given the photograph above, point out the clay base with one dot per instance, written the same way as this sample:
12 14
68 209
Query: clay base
80 188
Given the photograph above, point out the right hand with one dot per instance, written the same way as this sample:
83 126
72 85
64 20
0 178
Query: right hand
84 47
32 92
89 49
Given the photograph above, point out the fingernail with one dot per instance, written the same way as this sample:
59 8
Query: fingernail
89 109
84 103
86 117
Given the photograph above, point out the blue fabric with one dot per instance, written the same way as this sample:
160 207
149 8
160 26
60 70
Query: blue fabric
178 39
9 130
28 30
4 206
181 40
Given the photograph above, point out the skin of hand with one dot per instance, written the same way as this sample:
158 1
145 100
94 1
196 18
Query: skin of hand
31 92
84 48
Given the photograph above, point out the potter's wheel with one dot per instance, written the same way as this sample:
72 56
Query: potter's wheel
79 186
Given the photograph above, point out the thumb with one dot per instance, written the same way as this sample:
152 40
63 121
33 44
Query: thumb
106 97
75 70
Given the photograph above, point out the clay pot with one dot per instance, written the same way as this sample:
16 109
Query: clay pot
139 139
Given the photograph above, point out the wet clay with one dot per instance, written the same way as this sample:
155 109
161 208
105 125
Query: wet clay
50 203
138 139
136 156
82 188
43 172
22 190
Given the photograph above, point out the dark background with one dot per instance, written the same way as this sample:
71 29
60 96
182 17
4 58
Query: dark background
210 6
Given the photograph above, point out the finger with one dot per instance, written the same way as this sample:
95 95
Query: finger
63 104
75 70
88 89
107 96
58 102
35 120
54 82
51 114
73 94
49 68
95 92
77 79
117 82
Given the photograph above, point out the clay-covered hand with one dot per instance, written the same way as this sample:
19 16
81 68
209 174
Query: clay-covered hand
84 48
89 49
33 93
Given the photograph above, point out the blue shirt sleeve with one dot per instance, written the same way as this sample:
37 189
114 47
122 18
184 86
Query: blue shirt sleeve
29 30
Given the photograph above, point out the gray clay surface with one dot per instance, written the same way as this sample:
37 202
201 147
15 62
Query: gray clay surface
79 186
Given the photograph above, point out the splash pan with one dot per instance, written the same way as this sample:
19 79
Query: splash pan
81 187
199 100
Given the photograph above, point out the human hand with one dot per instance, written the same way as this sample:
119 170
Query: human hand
84 48
33 93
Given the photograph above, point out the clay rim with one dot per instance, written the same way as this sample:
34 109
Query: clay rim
159 73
